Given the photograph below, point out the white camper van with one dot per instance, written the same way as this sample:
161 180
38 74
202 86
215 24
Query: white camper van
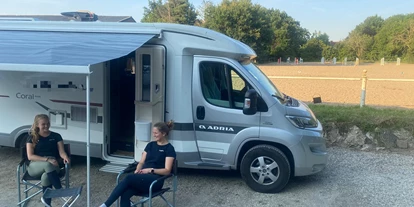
228 115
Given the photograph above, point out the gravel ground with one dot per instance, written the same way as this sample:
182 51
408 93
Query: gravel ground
352 178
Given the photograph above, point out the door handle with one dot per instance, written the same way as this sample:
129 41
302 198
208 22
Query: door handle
201 112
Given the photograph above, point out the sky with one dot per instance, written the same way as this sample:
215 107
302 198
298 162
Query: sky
334 17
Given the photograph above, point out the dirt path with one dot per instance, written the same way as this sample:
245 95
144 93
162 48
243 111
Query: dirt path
378 93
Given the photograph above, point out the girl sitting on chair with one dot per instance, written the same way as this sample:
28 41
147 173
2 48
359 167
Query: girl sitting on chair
43 148
156 161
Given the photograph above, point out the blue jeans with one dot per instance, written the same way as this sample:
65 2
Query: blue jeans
133 184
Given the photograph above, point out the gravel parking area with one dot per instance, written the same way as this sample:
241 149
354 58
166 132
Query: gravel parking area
352 178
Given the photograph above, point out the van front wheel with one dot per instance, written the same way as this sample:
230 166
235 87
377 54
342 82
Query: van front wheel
265 169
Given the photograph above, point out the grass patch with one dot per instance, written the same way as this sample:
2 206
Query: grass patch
366 118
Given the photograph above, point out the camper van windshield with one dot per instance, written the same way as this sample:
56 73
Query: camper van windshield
263 80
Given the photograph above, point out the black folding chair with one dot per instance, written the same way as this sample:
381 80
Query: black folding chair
32 186
147 197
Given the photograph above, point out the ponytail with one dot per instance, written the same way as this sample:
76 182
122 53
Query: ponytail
165 127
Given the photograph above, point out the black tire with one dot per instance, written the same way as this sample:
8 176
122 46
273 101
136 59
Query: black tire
271 169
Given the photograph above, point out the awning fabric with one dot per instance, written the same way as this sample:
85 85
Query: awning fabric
63 52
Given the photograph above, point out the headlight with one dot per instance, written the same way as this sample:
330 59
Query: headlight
302 122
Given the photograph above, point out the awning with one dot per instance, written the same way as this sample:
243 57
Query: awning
68 47
63 52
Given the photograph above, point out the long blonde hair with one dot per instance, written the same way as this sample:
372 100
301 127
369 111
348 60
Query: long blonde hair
34 131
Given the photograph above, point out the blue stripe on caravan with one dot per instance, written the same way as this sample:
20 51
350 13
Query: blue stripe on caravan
183 126
208 127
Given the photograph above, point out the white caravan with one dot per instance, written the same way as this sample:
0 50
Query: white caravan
228 115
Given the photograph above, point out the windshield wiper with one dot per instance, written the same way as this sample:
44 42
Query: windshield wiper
278 97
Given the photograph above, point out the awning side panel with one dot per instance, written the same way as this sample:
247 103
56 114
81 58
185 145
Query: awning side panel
66 48
45 68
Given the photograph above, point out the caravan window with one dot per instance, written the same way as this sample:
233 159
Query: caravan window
222 85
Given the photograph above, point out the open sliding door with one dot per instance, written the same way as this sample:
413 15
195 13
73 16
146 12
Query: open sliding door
150 94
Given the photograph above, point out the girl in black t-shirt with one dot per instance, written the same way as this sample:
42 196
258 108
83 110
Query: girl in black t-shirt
43 148
156 161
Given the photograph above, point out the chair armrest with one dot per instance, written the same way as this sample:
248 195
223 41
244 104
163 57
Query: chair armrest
67 167
130 168
21 163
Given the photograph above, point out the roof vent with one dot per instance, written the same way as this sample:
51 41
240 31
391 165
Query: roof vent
81 15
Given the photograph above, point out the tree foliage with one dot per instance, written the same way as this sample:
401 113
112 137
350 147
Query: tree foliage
376 38
241 20
370 26
171 11
396 38
312 50
321 36
289 35
273 33
269 32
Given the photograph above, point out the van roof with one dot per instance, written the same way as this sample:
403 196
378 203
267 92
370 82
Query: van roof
221 41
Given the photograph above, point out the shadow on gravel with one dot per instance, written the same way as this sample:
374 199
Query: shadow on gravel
299 183
209 173
80 161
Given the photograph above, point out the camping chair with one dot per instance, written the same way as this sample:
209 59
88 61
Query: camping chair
32 186
152 194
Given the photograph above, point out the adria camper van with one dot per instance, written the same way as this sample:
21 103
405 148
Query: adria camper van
228 115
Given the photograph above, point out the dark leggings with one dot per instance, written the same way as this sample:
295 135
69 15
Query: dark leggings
133 184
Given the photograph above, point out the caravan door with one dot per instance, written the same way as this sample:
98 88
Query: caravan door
218 97
149 97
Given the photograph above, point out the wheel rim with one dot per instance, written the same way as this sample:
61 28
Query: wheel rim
264 170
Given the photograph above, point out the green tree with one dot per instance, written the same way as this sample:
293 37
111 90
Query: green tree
329 52
321 36
289 36
359 44
241 20
312 50
360 41
370 26
395 39
344 51
171 11
405 40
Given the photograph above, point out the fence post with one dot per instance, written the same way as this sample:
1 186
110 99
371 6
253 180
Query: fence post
364 85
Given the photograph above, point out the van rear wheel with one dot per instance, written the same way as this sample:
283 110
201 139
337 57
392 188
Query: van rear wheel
265 169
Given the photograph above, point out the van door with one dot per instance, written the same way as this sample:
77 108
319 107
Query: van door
218 97
149 97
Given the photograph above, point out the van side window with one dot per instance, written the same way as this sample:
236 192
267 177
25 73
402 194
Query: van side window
222 85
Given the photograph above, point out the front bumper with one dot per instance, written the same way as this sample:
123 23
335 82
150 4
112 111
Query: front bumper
310 154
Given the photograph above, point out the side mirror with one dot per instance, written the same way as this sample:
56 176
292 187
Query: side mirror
250 102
